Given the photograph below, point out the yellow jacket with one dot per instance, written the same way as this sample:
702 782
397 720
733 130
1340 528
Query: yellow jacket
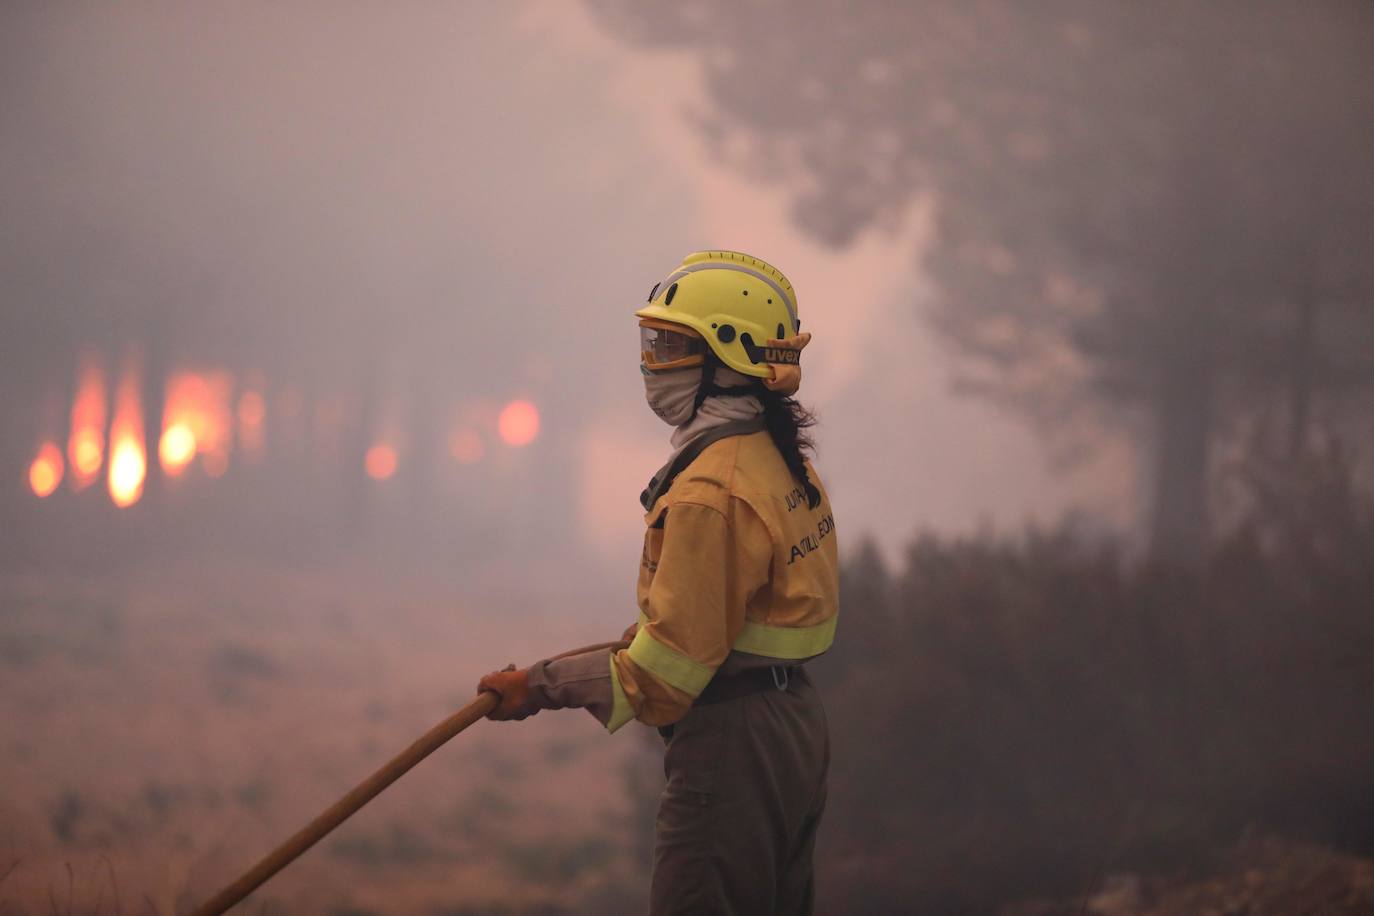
736 568
737 572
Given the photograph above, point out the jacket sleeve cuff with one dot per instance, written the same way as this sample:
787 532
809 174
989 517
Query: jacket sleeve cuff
583 681
621 710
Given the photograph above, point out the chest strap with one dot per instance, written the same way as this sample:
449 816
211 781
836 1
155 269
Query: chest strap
660 482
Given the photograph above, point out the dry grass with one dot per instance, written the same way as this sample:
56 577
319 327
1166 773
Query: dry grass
161 737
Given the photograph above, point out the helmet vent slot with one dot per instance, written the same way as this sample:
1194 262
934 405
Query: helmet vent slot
672 291
754 352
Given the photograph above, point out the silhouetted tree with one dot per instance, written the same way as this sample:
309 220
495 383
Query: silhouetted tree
1163 206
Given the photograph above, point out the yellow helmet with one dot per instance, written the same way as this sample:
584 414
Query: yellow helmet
743 308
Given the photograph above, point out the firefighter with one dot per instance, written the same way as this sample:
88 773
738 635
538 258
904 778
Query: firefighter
738 587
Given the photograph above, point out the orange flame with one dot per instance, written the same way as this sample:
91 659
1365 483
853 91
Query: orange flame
195 421
46 471
176 448
380 461
518 423
128 457
86 447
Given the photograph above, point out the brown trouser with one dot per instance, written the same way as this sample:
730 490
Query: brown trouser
746 789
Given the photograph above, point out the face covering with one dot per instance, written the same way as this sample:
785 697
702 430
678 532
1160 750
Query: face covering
672 394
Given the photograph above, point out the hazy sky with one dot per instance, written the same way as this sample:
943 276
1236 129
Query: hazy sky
898 450
468 202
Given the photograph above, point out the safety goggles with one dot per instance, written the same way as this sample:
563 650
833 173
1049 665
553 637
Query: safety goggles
663 345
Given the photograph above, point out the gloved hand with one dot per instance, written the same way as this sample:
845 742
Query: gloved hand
513 687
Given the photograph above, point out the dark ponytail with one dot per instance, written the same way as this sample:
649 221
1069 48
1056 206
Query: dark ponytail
787 422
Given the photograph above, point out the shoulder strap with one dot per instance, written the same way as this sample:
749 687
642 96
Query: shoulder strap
660 482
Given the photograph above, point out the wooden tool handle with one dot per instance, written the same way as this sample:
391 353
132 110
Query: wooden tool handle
363 793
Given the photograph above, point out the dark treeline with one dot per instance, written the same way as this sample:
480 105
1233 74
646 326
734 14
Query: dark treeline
1009 718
